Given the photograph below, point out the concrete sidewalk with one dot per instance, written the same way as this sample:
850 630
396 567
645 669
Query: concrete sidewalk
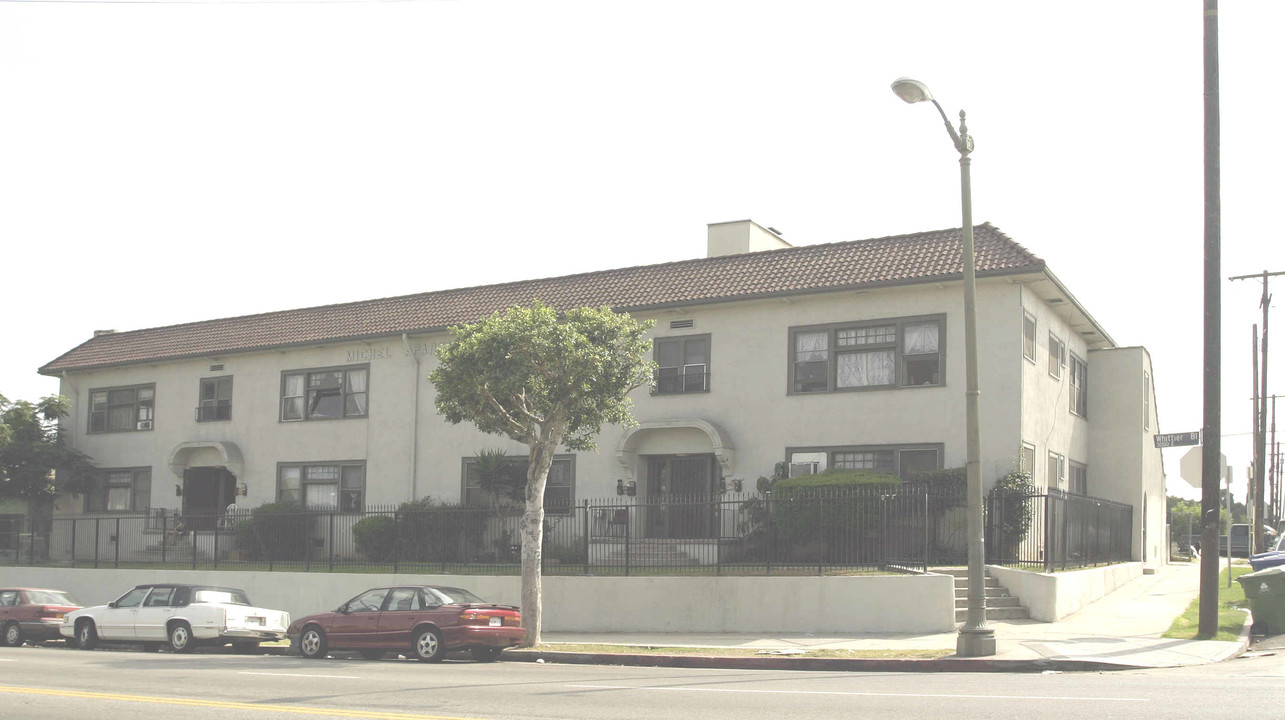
1121 631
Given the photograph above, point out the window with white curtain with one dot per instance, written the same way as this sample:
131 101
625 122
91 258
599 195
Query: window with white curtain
323 486
907 461
878 354
324 394
122 409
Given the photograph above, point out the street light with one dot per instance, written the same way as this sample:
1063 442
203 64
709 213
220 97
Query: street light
975 639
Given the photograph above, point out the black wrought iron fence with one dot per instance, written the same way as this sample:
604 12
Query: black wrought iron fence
907 527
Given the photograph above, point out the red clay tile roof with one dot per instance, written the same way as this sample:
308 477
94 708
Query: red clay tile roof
901 259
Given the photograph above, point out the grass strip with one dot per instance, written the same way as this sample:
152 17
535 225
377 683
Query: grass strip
1231 611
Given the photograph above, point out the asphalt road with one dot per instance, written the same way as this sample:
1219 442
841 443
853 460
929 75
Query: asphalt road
52 682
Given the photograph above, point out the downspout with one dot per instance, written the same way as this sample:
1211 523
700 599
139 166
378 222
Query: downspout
414 440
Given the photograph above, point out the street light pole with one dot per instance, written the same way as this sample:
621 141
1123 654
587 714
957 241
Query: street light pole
976 638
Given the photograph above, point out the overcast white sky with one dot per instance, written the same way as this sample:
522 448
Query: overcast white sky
170 162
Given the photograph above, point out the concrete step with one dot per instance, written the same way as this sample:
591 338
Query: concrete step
1006 613
992 602
991 591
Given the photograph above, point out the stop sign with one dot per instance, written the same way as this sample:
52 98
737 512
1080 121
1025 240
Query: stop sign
1190 466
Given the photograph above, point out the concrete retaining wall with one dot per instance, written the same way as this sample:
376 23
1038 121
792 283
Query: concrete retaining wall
1053 596
894 603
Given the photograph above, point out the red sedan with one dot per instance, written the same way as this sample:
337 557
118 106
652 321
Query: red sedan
30 614
423 621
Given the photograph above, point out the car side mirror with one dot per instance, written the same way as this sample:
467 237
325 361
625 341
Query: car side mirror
342 609
111 604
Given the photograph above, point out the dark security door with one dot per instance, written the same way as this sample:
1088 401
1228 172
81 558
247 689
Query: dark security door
207 491
680 490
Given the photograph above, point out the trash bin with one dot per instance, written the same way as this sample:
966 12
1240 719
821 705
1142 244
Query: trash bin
1262 561
1265 591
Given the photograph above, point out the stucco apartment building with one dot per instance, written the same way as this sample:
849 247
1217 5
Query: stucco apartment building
846 354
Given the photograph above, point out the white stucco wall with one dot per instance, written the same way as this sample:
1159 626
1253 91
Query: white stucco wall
902 603
1053 596
1047 420
748 401
1124 452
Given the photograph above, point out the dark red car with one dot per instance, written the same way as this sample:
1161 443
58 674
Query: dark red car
31 614
422 621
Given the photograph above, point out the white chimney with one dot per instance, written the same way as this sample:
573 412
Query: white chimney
742 236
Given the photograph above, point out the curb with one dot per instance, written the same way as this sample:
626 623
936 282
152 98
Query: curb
947 664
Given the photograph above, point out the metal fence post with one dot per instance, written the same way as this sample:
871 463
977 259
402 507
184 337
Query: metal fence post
98 534
165 533
397 544
330 546
770 529
586 536
629 521
116 549
927 536
194 543
74 522
1048 533
216 543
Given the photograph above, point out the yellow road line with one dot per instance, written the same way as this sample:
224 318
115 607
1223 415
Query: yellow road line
292 709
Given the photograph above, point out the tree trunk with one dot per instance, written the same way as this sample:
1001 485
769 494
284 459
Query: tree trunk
541 459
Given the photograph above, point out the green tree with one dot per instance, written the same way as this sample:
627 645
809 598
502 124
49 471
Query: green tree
545 380
36 463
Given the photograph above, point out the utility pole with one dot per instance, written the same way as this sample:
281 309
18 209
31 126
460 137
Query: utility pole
1260 419
1210 471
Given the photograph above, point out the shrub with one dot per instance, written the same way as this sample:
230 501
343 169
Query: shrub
274 531
1009 514
428 532
831 515
376 537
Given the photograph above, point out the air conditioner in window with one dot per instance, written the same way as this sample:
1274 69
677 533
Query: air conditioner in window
803 468
144 424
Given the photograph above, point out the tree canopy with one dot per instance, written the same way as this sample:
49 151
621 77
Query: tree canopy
35 461
526 372
545 380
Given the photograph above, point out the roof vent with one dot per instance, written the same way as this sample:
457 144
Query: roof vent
99 333
680 324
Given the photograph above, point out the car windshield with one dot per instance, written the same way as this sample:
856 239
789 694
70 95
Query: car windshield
456 596
220 595
49 597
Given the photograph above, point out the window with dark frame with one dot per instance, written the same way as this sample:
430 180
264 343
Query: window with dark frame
323 486
1079 386
1079 478
215 399
122 409
1057 356
880 354
120 490
1026 459
559 490
1056 479
1028 336
682 364
326 394
903 461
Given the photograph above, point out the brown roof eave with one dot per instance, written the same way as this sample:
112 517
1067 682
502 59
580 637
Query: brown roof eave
53 369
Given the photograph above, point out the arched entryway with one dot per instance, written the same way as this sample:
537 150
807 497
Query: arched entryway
679 469
208 474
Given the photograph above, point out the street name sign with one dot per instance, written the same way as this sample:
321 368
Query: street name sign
1178 439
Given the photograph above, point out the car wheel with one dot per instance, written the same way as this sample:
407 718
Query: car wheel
249 647
180 637
12 634
373 654
486 654
86 635
151 646
312 643
429 646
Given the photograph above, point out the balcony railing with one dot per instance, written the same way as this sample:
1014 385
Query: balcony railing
685 379
222 410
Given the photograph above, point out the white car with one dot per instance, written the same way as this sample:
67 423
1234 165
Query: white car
180 616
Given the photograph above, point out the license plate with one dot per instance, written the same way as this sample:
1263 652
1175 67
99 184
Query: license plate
253 620
496 622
